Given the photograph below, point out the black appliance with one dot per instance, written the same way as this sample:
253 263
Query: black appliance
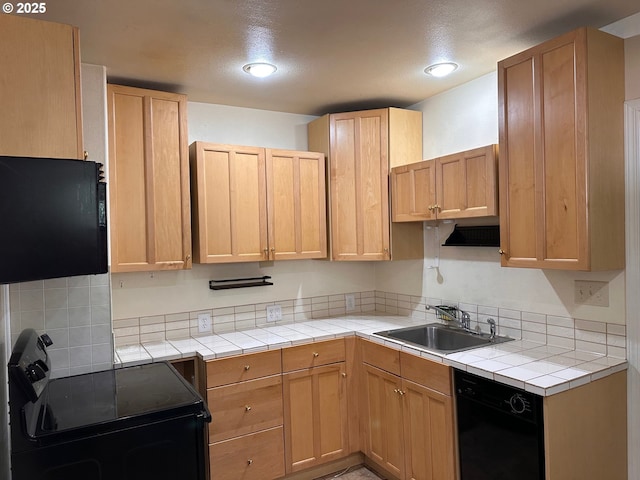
53 214
500 430
137 423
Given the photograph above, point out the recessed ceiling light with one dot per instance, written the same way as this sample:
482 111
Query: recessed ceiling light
259 69
441 69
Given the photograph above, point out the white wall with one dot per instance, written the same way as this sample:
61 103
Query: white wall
147 294
459 119
247 126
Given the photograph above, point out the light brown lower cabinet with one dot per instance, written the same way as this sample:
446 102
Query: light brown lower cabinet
585 430
408 426
383 423
246 437
288 412
259 456
316 423
428 433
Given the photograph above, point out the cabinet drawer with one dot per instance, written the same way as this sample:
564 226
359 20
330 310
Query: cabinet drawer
245 407
259 456
313 355
378 355
243 367
433 375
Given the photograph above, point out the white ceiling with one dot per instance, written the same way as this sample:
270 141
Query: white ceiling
332 55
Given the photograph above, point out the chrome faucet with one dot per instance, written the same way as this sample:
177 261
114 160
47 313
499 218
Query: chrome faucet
492 328
464 322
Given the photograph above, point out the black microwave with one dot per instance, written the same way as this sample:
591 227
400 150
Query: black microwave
53 218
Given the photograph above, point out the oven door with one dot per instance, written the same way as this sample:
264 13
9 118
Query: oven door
169 449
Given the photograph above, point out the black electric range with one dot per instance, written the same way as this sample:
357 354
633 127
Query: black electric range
141 422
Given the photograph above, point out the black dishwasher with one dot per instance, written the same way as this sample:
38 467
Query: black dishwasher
500 430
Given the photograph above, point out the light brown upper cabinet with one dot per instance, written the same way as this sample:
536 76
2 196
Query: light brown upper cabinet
150 218
40 89
361 147
254 204
561 153
461 185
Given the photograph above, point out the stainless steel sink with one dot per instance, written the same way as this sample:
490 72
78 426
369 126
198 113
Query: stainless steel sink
442 338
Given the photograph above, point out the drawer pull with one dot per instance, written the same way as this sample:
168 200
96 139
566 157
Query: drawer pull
247 408
344 375
249 462
316 354
247 367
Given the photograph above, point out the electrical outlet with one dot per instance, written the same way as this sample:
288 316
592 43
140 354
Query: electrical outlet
592 293
204 323
274 313
350 301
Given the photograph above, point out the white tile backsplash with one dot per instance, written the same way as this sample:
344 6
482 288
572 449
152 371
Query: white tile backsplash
76 313
562 333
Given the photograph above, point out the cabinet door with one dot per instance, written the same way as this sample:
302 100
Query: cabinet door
561 161
543 179
296 204
413 192
466 184
428 433
150 219
316 422
359 164
383 420
40 89
229 203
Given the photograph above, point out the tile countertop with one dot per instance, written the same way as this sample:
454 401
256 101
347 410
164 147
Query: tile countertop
535 367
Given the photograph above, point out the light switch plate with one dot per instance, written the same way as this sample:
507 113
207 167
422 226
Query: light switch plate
204 323
594 293
274 313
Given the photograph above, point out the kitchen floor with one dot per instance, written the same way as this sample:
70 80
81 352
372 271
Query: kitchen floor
354 473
